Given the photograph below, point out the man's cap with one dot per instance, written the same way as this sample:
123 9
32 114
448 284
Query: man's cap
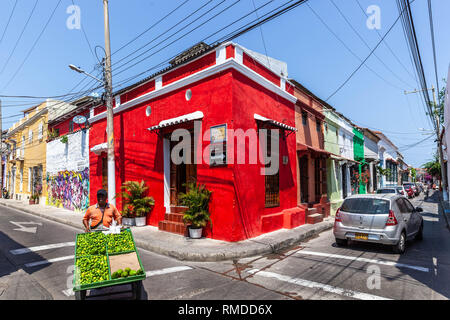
102 192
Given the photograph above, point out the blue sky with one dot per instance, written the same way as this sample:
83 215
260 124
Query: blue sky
315 57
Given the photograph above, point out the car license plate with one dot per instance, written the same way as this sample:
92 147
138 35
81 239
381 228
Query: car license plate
361 236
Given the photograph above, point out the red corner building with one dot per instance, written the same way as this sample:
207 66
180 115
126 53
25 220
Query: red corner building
224 93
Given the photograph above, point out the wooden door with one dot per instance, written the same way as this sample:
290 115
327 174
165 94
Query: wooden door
303 179
182 173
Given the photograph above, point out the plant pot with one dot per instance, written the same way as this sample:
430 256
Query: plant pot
195 233
141 221
128 221
31 202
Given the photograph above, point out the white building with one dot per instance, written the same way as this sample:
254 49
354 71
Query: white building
345 141
388 156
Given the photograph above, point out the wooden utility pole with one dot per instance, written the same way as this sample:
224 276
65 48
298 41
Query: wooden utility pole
109 109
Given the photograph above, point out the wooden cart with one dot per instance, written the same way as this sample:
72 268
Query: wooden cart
80 290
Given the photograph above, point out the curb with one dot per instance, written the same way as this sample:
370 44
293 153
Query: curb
244 249
444 211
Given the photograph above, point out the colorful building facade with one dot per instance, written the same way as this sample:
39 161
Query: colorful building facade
26 161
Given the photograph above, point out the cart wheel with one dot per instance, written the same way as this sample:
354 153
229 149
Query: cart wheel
137 290
80 295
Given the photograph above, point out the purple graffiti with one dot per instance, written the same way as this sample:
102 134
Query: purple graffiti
69 189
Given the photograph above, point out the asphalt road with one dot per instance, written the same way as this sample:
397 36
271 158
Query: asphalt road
36 262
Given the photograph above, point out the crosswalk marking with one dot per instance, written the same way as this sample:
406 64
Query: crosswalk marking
69 292
319 286
375 261
38 263
41 248
167 270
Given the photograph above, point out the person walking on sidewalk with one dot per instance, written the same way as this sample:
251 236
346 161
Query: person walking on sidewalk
101 214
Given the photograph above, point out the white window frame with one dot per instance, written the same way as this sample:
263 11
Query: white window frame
41 131
30 137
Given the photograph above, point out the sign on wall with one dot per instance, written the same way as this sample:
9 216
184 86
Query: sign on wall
218 147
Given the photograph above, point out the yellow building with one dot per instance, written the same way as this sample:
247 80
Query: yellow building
26 161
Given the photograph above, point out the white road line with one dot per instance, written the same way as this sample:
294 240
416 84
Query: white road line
69 292
167 270
318 286
375 261
38 263
40 248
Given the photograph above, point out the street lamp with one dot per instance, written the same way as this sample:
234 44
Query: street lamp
74 68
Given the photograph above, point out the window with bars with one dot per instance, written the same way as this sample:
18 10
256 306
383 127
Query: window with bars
272 182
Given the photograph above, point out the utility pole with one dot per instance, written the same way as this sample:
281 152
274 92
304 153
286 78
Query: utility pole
438 135
109 109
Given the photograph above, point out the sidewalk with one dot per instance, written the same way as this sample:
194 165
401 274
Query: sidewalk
445 209
182 248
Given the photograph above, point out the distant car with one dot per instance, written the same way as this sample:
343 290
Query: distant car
389 219
402 191
409 187
392 190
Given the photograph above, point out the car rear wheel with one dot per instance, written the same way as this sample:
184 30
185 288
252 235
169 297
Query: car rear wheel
341 242
400 247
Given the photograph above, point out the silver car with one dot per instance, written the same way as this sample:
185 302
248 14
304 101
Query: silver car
388 219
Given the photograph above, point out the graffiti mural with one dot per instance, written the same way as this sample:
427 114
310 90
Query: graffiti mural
69 189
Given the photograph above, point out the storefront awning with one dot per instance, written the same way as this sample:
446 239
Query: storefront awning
98 149
178 120
340 158
305 147
274 122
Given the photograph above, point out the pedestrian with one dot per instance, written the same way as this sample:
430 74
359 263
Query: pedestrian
101 213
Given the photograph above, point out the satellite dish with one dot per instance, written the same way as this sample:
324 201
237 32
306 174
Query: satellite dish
79 120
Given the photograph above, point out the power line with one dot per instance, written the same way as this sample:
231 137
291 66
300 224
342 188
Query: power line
86 37
20 36
363 62
9 20
182 36
34 45
367 45
284 8
151 27
434 46
386 44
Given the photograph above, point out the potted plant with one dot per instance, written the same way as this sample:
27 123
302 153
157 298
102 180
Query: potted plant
136 203
128 218
197 215
32 199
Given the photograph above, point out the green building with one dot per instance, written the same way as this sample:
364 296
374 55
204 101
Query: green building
358 149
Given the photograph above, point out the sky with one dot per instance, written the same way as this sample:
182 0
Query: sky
315 39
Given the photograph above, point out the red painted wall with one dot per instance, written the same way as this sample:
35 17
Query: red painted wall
238 192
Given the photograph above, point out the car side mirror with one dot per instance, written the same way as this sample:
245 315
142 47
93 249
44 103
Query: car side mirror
419 209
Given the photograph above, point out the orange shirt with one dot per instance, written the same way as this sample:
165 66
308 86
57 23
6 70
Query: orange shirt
95 214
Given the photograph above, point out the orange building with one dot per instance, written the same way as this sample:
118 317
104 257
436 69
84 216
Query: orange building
311 155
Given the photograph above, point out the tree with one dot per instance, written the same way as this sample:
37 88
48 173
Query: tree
433 167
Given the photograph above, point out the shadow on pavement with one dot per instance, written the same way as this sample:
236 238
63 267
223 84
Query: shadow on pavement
10 263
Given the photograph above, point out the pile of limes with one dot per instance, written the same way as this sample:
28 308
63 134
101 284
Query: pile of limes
127 272
92 243
92 269
121 242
